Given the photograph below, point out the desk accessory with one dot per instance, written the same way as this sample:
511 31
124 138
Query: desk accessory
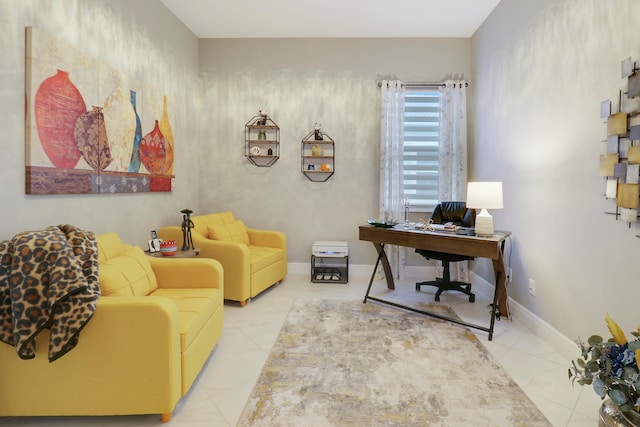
382 223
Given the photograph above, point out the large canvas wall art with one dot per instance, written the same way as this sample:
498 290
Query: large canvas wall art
90 128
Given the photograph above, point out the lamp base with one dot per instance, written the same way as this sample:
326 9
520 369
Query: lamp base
484 224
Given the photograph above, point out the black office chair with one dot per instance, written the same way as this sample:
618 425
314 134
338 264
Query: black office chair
458 214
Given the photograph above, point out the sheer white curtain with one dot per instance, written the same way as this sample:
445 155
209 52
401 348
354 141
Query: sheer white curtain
391 170
453 153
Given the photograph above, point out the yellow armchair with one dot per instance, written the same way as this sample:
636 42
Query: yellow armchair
252 259
154 327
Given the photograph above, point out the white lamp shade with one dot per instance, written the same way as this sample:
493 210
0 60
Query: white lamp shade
484 195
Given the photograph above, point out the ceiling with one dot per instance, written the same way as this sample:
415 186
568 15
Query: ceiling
331 18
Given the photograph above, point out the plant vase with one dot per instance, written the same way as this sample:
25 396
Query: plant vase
611 416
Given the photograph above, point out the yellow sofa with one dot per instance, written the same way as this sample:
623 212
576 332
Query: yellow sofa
252 259
155 325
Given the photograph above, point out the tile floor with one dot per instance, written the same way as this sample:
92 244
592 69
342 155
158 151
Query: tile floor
219 394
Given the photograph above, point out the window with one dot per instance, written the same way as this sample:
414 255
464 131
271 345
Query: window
421 141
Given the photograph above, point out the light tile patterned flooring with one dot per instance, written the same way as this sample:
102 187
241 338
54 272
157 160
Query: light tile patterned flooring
220 392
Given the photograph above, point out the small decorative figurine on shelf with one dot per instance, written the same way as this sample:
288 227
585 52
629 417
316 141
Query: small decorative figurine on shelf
317 133
262 121
187 225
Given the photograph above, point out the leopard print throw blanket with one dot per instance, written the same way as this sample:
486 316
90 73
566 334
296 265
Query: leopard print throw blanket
48 279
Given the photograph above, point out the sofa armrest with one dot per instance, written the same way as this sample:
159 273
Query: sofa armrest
127 361
267 238
187 272
134 315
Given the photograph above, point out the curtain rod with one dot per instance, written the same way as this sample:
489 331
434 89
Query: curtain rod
424 84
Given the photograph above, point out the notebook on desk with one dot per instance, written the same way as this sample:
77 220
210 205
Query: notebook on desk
444 227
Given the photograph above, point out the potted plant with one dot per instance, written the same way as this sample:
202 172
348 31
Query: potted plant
611 367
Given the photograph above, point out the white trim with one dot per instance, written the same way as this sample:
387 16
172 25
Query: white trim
559 342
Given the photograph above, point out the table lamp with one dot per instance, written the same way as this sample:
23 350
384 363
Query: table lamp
483 196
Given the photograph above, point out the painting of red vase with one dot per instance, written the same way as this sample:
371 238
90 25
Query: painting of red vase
84 128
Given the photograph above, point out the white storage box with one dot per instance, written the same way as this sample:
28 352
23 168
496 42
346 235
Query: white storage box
330 262
330 249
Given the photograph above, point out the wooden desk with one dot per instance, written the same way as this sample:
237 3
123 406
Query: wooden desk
483 247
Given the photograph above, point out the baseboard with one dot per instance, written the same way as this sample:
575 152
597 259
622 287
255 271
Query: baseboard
559 342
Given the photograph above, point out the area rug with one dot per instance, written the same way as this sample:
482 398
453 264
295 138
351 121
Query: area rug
345 363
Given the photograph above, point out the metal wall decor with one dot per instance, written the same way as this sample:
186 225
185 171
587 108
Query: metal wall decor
262 140
318 155
620 164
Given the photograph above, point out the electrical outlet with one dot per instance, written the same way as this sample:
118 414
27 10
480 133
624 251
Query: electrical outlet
532 287
510 275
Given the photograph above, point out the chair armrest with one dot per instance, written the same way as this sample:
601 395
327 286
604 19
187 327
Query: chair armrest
234 257
187 272
236 264
216 249
222 251
268 238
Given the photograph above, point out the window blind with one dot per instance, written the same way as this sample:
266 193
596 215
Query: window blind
421 141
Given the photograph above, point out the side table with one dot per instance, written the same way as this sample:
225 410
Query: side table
190 253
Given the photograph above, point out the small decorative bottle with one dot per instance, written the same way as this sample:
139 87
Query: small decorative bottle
406 213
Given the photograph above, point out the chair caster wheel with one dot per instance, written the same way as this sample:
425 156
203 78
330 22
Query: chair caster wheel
417 287
472 298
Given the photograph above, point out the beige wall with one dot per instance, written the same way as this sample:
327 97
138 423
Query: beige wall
141 39
300 82
542 69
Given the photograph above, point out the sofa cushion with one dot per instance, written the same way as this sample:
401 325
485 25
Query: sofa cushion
202 222
261 257
110 246
234 231
196 306
129 274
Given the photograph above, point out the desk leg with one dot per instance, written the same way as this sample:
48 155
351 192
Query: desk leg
382 256
387 270
494 307
501 285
